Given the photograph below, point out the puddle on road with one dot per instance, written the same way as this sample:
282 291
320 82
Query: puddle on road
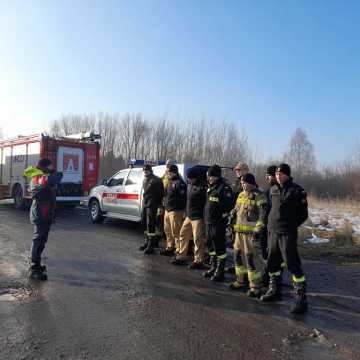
9 295
314 345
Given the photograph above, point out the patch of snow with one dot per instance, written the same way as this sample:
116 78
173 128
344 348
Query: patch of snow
325 228
316 240
335 219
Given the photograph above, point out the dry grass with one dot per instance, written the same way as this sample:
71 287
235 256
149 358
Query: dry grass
344 245
349 204
342 248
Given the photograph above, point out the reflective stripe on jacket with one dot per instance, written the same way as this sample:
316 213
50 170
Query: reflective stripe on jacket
251 210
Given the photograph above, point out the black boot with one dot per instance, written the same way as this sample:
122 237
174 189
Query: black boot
265 279
211 271
36 273
157 239
167 252
274 291
145 244
150 246
176 261
301 304
219 274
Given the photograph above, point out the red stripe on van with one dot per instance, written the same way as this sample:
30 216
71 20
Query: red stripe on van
122 196
128 196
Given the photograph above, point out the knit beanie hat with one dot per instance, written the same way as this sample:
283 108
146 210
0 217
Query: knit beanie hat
147 167
249 178
192 174
44 163
173 169
271 170
214 170
284 168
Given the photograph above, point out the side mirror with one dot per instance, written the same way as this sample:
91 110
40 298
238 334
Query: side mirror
104 181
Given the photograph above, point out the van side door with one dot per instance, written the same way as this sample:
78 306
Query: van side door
132 193
111 197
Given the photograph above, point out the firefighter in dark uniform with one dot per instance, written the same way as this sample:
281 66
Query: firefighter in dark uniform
175 203
218 205
289 209
193 226
153 192
43 185
271 181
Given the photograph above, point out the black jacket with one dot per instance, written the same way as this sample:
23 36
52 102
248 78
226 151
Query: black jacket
43 189
196 199
153 192
267 194
219 202
237 189
289 208
175 194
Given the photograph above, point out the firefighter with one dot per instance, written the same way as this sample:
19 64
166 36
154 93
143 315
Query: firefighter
240 169
193 226
289 209
271 181
251 209
43 182
174 202
153 192
161 211
218 205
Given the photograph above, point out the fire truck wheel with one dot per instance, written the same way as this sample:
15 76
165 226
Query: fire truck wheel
18 198
95 211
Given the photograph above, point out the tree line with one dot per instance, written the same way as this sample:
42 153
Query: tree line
133 136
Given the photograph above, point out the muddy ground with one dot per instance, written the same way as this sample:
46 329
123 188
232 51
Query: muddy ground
105 300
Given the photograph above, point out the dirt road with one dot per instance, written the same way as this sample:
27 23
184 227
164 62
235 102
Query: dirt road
105 300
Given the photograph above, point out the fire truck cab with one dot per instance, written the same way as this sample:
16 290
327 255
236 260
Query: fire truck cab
76 156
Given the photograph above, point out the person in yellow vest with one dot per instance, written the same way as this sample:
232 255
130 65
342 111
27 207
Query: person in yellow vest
251 210
43 183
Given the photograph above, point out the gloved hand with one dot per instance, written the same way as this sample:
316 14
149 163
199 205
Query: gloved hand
231 217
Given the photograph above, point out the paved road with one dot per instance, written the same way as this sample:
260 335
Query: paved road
105 300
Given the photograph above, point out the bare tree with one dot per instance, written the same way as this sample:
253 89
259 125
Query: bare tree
72 124
301 155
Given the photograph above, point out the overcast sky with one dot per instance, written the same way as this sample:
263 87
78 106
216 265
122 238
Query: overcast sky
267 66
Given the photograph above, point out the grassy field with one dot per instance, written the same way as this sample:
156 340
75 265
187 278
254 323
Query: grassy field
346 205
338 221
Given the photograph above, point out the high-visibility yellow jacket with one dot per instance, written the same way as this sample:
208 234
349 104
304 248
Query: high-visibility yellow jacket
251 210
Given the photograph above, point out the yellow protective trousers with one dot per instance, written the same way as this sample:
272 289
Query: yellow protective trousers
248 259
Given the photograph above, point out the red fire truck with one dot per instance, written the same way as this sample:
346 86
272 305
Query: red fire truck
76 156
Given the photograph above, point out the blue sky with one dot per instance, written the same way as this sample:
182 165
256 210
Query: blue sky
268 66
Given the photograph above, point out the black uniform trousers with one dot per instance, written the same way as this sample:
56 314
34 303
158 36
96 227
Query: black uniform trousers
283 248
264 244
150 216
216 239
40 237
